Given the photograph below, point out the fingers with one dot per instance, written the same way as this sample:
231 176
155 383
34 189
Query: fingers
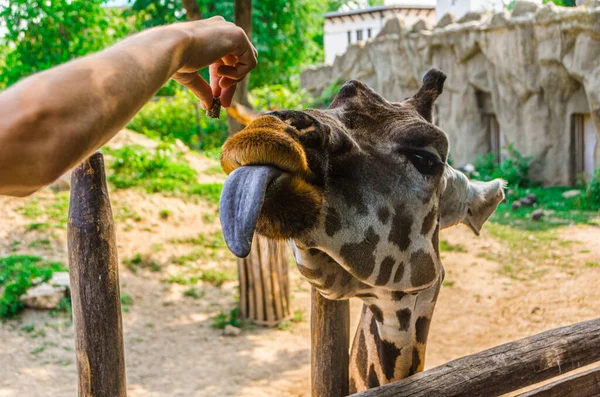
227 96
198 86
215 79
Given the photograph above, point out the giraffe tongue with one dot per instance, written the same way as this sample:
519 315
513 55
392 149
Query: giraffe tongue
241 201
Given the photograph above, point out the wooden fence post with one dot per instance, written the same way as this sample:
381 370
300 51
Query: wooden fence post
95 284
330 340
264 285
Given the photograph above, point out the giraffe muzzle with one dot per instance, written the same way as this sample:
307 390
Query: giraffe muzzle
241 202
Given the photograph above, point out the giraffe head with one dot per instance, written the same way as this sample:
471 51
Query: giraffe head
361 189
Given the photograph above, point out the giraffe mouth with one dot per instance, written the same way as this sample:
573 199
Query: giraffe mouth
241 202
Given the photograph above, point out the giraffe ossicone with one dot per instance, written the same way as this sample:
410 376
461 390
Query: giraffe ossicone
361 190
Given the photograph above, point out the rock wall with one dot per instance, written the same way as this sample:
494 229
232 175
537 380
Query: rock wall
533 69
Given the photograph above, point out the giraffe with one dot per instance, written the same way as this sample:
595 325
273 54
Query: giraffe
361 191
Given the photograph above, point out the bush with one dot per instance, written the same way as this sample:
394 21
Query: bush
163 170
592 193
18 273
180 117
276 97
514 169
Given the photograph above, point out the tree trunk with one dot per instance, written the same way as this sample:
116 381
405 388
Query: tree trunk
264 285
243 19
192 11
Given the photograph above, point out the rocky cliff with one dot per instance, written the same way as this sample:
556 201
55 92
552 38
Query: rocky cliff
533 69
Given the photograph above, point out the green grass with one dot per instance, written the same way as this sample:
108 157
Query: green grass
214 170
559 211
139 261
162 170
165 214
447 247
592 264
55 209
18 273
214 277
194 293
223 319
126 302
41 243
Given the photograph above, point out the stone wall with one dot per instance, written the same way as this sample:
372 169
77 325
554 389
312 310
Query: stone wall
533 69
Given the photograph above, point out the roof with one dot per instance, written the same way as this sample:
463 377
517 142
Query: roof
370 10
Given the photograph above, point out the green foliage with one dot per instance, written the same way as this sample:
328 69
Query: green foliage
42 34
514 169
221 320
560 211
161 170
18 273
592 193
180 117
323 101
275 97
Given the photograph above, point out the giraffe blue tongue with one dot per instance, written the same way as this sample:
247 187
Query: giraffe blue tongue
241 201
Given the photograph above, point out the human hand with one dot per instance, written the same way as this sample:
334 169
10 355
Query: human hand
224 48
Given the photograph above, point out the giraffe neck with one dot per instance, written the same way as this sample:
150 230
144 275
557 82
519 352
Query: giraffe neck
390 341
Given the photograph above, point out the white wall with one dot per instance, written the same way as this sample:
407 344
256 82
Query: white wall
461 7
457 7
336 33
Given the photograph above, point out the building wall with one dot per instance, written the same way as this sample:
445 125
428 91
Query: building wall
336 32
336 41
533 70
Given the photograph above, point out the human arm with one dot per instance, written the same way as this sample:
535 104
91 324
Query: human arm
51 121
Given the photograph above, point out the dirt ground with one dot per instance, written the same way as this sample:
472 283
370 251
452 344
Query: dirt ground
172 350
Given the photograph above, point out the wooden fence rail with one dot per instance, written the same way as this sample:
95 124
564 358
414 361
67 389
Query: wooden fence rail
94 275
505 368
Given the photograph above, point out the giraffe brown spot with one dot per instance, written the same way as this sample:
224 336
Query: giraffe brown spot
422 268
401 224
404 318
389 354
362 357
329 281
377 313
416 362
428 221
398 295
383 214
360 257
311 274
422 329
385 270
399 273
372 380
333 224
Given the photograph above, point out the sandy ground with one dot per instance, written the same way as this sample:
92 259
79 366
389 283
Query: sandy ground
171 349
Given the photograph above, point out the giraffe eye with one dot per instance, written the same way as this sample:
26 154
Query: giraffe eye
424 162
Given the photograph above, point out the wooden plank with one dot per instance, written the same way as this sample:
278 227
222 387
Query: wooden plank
504 368
330 337
95 283
266 258
584 384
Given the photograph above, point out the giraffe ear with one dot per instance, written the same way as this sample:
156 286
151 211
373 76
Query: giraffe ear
468 202
433 86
